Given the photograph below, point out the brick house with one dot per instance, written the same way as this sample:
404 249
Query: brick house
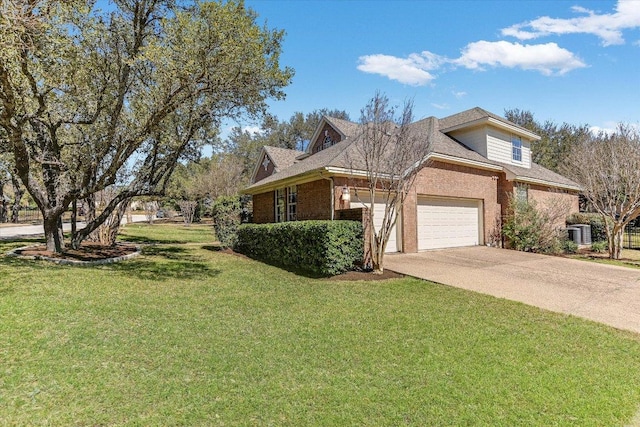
459 196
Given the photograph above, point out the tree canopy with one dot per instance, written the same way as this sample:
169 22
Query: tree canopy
607 167
90 99
556 140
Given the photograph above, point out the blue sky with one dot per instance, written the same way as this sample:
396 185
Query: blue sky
575 61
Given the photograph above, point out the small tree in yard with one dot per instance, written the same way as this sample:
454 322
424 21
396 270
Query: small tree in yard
226 219
390 155
607 167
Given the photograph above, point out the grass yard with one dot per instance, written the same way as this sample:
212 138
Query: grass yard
187 335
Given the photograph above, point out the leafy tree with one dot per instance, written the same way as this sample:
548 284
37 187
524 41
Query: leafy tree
607 167
556 140
89 99
391 155
294 134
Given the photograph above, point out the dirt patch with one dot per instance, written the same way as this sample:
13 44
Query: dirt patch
365 275
88 251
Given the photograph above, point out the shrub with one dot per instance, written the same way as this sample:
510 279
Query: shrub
530 229
322 248
598 229
226 219
569 246
600 246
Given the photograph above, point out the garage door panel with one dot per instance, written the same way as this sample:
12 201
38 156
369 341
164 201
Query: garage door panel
378 216
446 223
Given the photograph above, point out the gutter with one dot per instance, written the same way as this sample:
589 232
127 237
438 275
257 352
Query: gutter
333 195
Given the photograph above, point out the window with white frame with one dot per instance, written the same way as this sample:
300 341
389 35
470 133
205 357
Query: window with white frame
292 202
516 148
280 205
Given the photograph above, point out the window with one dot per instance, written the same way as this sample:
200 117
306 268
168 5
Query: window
280 205
292 201
516 148
522 192
286 204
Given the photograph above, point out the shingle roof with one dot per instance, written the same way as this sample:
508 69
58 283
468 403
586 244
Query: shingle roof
282 157
345 153
471 115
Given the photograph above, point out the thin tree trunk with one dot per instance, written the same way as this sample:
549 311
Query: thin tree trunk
18 192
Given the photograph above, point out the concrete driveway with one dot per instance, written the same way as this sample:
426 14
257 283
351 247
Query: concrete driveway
603 293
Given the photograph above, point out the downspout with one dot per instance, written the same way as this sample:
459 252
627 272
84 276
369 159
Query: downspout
333 187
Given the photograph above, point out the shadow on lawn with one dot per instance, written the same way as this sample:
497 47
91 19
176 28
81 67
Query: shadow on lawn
142 240
172 269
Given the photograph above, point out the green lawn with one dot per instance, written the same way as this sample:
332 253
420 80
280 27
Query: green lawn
187 335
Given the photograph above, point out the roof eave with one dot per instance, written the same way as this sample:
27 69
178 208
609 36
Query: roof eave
497 123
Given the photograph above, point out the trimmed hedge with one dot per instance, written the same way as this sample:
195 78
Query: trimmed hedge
324 248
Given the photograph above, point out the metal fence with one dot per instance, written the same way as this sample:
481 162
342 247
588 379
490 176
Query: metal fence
25 216
631 239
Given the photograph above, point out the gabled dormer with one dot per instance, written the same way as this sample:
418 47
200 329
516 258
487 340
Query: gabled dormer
272 160
491 136
330 131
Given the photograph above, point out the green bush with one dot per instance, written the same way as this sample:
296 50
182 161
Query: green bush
226 219
598 229
600 246
323 248
569 246
530 229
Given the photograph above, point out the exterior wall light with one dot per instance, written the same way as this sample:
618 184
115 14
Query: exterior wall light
346 195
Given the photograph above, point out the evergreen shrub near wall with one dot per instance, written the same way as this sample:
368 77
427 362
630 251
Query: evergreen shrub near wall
324 248
227 213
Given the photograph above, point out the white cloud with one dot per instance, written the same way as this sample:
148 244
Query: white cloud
253 130
607 26
459 95
546 58
595 130
440 106
413 70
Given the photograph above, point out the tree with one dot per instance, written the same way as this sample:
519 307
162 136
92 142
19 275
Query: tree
555 140
607 167
89 99
391 155
293 134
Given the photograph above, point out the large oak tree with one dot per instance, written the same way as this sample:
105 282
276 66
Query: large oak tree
94 99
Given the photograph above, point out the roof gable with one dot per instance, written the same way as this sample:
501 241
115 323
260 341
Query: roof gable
477 116
273 160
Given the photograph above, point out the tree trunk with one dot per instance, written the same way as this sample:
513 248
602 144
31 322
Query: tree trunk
18 192
53 233
3 205
614 238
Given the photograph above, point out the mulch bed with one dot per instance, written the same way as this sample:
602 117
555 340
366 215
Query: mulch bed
88 251
365 275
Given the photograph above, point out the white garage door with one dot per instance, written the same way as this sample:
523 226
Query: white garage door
363 201
448 223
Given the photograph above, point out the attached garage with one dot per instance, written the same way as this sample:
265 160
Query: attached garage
364 201
448 222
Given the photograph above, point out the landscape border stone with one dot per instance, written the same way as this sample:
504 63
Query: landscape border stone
16 253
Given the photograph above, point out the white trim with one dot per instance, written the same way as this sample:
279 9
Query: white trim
545 183
256 168
497 123
316 133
